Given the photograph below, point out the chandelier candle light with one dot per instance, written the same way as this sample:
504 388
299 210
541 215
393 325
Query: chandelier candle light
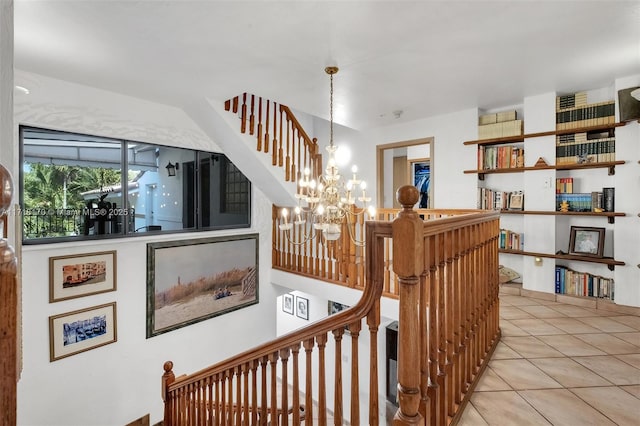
329 200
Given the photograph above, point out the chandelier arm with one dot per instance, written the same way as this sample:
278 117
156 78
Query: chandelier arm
307 237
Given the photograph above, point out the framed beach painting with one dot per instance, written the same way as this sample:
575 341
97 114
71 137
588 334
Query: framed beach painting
80 275
189 281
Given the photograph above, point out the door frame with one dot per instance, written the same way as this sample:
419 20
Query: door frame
380 165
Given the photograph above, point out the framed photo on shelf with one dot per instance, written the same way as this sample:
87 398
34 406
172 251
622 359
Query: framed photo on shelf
586 241
80 275
287 303
302 307
189 281
516 201
82 330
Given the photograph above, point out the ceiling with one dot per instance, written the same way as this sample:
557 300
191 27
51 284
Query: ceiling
399 60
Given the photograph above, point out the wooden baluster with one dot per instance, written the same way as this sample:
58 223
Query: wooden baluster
432 296
441 322
284 404
451 327
266 126
252 117
373 322
274 146
387 267
280 152
227 105
298 167
295 350
217 400
264 414
240 402
322 380
10 268
253 366
230 407
243 114
223 399
354 329
259 146
236 100
308 404
337 390
424 339
408 257
287 166
273 365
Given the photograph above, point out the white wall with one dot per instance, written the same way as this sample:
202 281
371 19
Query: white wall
117 383
452 188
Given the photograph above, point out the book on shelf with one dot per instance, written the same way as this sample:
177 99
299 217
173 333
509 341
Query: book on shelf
511 240
500 130
564 185
575 283
489 199
584 151
584 116
500 157
577 202
596 201
608 199
571 100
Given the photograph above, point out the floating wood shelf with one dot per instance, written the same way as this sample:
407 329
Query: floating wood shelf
611 165
521 138
610 262
609 215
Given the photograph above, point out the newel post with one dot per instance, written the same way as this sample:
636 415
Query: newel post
8 311
408 265
167 379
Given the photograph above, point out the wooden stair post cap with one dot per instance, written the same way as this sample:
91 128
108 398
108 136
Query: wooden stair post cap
407 196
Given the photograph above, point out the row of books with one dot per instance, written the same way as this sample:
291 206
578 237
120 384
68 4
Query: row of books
591 115
564 185
500 130
511 240
593 151
488 199
588 202
500 157
497 117
576 283
571 100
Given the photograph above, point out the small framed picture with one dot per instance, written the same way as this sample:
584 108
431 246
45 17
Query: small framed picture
516 201
82 330
80 275
586 241
287 303
302 307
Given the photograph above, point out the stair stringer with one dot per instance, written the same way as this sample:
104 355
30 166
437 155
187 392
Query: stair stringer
222 127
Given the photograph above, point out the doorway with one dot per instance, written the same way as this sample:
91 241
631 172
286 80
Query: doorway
405 163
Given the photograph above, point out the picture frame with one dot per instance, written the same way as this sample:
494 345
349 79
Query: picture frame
586 241
302 307
79 275
420 177
189 281
516 201
79 331
287 303
335 307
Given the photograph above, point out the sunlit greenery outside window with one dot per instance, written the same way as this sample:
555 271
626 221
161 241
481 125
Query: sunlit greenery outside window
84 187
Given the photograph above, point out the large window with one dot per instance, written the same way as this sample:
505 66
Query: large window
77 186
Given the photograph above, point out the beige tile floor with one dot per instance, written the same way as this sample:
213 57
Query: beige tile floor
561 365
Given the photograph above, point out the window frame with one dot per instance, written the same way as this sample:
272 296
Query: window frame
129 230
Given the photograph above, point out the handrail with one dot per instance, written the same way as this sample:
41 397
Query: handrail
446 270
290 145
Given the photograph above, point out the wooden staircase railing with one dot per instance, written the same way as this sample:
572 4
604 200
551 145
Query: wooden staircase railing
447 287
290 146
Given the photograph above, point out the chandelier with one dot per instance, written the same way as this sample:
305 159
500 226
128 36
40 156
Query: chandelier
326 202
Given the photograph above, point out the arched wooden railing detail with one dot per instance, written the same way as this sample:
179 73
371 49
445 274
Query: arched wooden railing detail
291 147
447 287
